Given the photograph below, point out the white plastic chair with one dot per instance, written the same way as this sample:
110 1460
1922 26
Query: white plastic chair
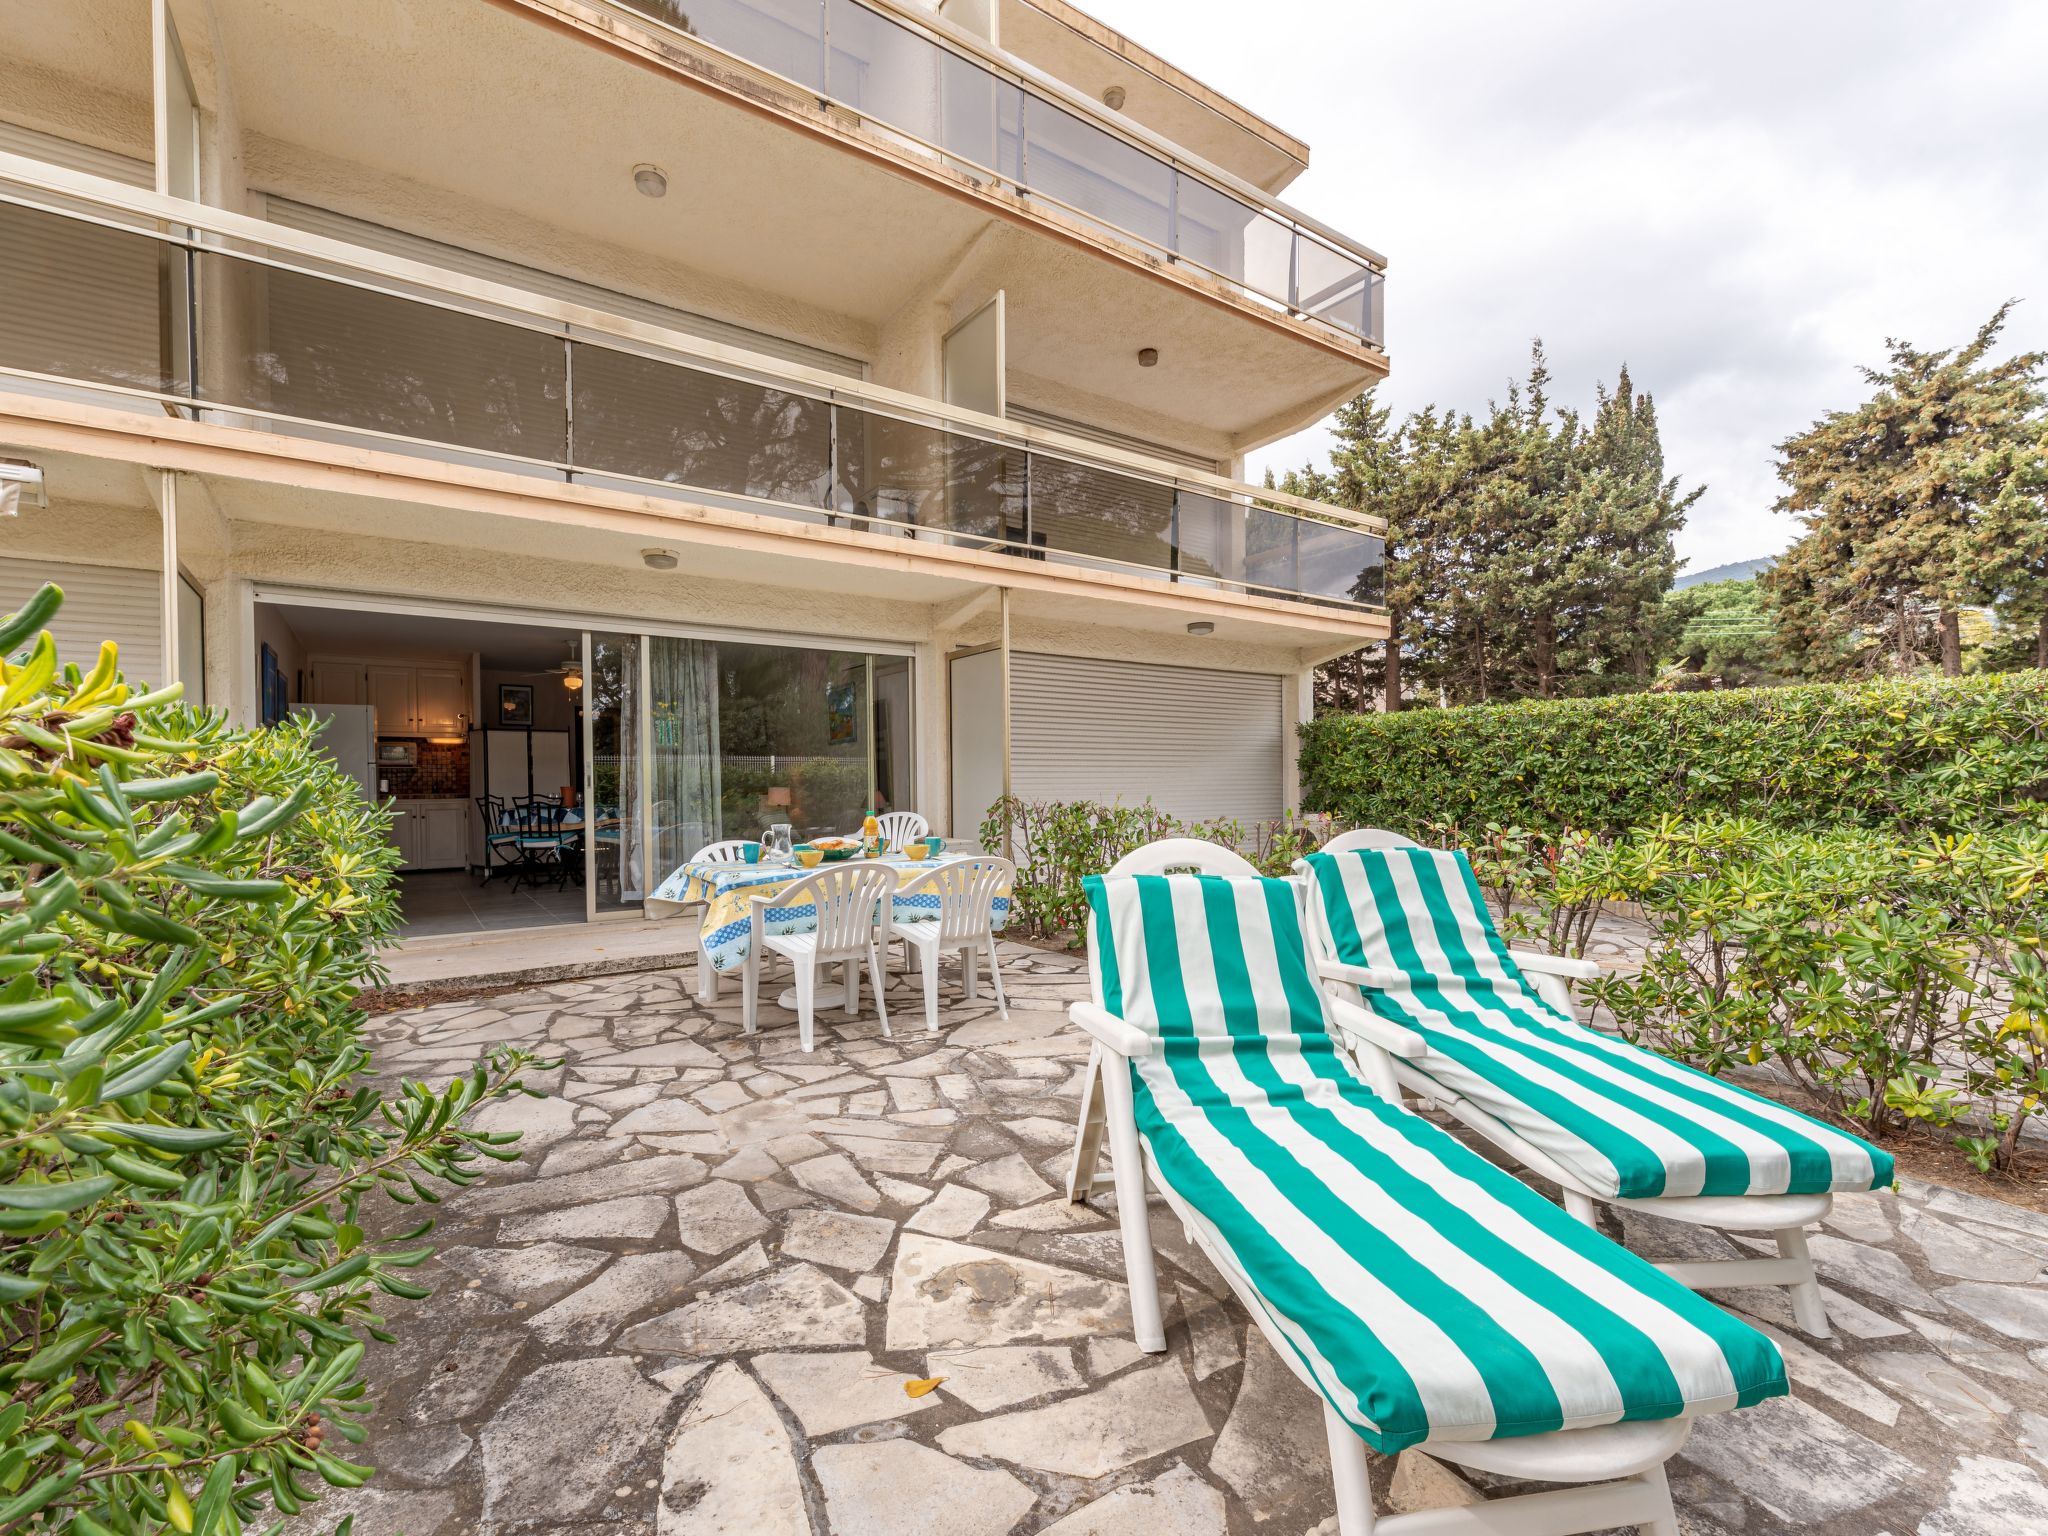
900 827
731 851
965 922
848 899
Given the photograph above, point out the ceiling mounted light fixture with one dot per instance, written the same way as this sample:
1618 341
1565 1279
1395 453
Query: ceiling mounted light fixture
1201 627
658 559
573 681
652 180
1148 357
1113 98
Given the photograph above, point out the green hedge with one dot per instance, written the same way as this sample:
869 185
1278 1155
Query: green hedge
1934 754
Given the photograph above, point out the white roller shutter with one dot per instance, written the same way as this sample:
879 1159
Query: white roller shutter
1197 743
101 602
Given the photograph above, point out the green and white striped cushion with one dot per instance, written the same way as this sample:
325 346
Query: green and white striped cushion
1629 1122
1428 1294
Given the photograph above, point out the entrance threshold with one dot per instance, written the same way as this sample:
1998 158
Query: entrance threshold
534 956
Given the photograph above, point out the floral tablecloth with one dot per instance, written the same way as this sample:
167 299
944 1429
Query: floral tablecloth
726 891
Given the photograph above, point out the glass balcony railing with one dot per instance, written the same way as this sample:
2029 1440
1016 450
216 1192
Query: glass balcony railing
260 340
920 92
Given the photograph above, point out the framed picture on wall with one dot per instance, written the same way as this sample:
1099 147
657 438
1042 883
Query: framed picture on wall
515 705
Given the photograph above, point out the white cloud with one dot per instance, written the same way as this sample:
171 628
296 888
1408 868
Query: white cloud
1740 200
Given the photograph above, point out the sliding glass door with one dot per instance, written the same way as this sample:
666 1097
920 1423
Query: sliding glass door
615 794
695 741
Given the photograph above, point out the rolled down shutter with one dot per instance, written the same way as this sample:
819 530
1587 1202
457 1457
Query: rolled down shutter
101 602
1196 743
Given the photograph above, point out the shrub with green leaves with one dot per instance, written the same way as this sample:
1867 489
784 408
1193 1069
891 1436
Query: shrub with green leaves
1937 754
1059 843
187 913
1899 980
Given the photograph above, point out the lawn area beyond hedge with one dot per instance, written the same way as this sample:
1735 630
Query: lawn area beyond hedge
1935 754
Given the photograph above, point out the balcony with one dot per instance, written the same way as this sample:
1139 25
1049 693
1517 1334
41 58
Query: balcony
172 307
1010 127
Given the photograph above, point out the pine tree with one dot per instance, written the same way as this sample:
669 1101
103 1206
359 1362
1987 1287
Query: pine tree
1527 551
1922 500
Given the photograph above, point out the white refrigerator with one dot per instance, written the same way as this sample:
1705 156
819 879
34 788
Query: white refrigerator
349 733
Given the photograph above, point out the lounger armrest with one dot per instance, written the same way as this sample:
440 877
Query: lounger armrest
1373 976
1110 1031
1554 965
1394 1039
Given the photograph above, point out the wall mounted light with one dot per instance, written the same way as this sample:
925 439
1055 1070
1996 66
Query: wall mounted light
1113 98
658 559
1201 627
651 180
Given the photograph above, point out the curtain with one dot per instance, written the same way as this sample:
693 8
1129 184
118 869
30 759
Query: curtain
684 787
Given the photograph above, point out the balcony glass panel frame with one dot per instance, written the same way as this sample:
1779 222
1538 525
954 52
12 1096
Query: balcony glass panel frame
472 382
920 90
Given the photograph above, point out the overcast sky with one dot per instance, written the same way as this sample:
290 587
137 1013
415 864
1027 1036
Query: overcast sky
1741 200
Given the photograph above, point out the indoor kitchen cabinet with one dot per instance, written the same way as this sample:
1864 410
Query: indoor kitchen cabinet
441 701
336 682
432 701
432 834
394 694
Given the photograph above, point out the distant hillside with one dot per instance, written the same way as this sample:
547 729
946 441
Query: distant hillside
1741 570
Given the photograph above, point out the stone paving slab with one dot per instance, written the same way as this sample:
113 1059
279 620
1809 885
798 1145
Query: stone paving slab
694 1307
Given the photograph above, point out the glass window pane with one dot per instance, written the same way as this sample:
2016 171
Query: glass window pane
787 36
1332 287
1339 563
344 355
1214 227
682 739
1080 510
893 739
641 416
794 732
1095 172
1211 538
888 72
80 301
612 693
1269 549
900 472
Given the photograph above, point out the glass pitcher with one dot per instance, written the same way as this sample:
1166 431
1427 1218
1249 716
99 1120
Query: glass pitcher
776 844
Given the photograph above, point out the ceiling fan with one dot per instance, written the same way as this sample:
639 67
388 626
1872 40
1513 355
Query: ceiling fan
570 669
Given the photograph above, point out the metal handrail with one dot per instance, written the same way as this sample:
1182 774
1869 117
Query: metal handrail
1064 97
189 222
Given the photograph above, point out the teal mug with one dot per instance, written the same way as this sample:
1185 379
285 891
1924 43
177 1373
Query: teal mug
937 845
751 853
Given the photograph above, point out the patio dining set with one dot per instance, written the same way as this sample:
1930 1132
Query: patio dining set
756 904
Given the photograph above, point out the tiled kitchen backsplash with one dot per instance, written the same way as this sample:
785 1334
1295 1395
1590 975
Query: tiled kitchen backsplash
442 771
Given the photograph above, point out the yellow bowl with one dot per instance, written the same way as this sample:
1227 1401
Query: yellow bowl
810 858
916 851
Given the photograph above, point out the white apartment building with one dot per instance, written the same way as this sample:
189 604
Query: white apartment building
725 411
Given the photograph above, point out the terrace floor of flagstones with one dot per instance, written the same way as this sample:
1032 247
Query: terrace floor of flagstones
692 1306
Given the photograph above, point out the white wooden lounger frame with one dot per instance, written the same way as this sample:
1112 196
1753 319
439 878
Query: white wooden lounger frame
1383 1050
1616 1470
